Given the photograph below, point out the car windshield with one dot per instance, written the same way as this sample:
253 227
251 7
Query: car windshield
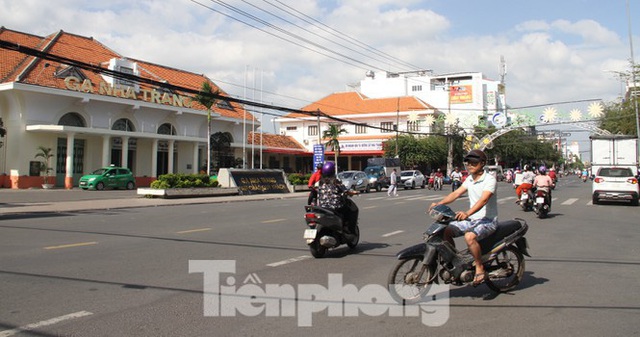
99 172
372 172
615 172
406 173
345 175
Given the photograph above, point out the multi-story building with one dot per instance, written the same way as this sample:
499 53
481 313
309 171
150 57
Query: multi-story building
91 118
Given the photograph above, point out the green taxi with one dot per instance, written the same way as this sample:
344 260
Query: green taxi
108 177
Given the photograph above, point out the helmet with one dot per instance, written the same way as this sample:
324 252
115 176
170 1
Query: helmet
319 166
476 156
517 168
542 169
329 169
526 168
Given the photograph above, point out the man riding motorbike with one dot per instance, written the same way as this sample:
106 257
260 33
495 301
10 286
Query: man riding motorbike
456 178
527 182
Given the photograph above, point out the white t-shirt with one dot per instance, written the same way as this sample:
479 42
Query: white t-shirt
486 182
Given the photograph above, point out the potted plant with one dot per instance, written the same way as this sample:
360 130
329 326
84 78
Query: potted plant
45 153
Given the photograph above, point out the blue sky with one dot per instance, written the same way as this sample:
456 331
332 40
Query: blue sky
556 51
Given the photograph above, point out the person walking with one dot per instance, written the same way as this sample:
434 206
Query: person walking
393 184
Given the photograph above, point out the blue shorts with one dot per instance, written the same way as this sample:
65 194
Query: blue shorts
481 227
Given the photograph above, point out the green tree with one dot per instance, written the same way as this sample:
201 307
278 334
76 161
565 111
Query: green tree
206 97
332 134
45 153
619 118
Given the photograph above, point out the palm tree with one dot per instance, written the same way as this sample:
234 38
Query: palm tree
46 153
206 98
332 133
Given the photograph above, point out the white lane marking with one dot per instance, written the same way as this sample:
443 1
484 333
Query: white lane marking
590 203
287 261
569 201
504 200
392 233
274 220
376 198
33 326
369 207
194 230
72 245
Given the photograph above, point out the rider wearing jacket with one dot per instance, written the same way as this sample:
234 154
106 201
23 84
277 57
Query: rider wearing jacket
331 195
527 182
544 182
313 180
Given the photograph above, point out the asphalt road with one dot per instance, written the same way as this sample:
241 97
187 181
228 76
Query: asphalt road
125 272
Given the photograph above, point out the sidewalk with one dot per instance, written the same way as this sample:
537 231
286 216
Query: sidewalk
14 202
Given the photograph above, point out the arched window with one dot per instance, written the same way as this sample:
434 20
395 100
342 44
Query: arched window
123 124
72 119
167 129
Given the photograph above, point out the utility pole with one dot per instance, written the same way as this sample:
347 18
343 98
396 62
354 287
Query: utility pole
448 134
633 92
397 125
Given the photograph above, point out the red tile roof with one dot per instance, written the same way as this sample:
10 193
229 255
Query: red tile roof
353 103
276 141
85 49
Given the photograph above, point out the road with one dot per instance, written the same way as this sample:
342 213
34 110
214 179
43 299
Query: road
126 272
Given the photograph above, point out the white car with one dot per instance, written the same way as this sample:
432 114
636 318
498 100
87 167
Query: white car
413 178
615 183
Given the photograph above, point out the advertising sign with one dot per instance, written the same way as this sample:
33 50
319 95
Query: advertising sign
460 94
318 155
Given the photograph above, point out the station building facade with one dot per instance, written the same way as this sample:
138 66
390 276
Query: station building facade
91 120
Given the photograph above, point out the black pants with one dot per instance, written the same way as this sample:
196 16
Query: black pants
313 196
349 213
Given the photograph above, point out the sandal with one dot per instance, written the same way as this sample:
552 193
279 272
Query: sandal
478 279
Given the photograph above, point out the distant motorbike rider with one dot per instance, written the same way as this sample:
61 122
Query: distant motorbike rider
544 182
527 182
439 177
552 175
331 195
314 181
456 177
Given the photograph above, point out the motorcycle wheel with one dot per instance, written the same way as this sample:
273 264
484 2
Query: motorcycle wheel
317 250
408 281
353 243
506 271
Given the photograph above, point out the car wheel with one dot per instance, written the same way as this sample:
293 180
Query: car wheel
130 185
368 189
594 200
634 202
100 186
378 187
424 184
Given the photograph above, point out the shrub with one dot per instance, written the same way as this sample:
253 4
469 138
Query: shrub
181 180
298 178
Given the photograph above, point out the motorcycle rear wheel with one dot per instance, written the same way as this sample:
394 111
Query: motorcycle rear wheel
408 281
317 250
506 271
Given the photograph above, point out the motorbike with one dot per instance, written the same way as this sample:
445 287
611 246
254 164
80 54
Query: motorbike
437 260
584 179
327 229
437 183
541 204
455 184
526 199
430 182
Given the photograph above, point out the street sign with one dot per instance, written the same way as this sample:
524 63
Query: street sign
318 155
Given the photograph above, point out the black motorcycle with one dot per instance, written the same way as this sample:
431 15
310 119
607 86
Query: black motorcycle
327 229
541 204
455 185
436 259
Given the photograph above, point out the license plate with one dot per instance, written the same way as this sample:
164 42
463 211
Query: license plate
310 233
524 196
540 200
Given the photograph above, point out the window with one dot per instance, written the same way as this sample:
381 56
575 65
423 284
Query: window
123 125
72 119
292 128
224 105
128 71
413 126
387 127
361 128
312 130
416 88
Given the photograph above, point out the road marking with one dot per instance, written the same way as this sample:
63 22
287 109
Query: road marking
376 198
287 261
369 207
33 326
391 234
570 201
274 220
504 200
72 245
194 230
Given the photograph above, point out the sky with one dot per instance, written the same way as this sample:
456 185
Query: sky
300 51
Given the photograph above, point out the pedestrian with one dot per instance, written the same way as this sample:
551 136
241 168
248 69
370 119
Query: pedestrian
393 184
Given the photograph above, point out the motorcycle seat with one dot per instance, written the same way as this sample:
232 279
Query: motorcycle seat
503 230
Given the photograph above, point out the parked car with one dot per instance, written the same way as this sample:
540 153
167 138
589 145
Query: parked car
108 177
354 180
413 178
615 183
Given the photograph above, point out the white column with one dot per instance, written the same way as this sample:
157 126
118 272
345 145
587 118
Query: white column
194 163
68 180
125 152
106 153
170 159
154 158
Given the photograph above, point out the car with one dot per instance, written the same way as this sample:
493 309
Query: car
496 170
615 183
412 178
355 180
108 177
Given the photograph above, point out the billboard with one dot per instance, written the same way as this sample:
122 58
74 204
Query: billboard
460 94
